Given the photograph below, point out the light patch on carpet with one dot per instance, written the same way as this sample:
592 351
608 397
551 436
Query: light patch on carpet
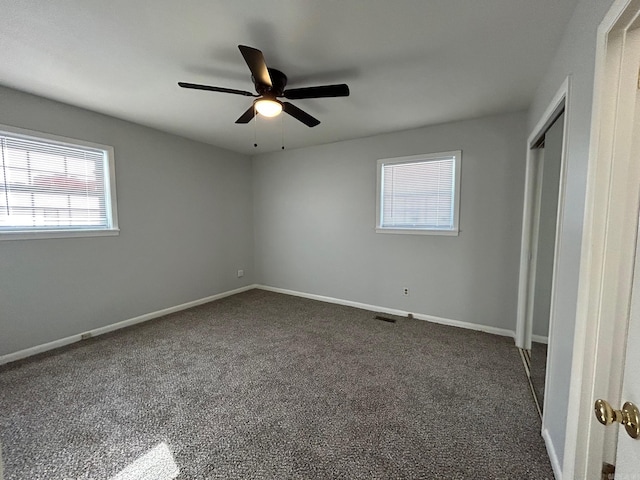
157 464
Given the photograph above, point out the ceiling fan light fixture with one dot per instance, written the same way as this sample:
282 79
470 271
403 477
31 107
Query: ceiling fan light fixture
268 107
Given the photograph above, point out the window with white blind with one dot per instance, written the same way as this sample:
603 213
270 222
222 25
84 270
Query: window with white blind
52 186
419 194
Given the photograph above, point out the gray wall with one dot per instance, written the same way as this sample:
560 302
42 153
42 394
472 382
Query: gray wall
315 217
185 214
575 56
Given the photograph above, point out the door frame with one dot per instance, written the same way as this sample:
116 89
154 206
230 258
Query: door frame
608 245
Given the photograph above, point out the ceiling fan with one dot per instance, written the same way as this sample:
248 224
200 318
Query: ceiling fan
270 85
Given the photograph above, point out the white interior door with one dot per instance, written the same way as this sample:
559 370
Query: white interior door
605 363
628 451
626 145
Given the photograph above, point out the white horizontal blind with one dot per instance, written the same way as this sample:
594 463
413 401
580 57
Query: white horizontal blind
419 195
50 186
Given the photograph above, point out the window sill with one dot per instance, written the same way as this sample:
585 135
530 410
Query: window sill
410 231
38 234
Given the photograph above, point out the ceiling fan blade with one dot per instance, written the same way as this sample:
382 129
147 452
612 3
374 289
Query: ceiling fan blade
209 88
324 91
257 65
247 116
301 115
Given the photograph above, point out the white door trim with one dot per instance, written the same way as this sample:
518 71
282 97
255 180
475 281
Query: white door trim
608 237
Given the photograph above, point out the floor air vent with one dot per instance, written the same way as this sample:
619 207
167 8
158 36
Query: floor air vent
385 319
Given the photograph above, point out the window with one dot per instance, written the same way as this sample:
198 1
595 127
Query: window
54 187
419 194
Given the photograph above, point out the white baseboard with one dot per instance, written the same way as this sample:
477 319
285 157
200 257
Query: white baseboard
557 470
391 311
28 352
540 339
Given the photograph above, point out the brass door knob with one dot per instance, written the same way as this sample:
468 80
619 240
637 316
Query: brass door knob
629 416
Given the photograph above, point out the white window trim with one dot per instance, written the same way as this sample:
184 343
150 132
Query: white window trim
457 154
110 193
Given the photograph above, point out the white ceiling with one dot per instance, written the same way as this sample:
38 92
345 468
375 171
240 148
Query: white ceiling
408 63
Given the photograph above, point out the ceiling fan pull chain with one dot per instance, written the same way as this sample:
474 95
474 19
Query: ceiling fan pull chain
255 127
282 128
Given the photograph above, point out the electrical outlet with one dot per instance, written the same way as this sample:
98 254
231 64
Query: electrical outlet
240 273
405 291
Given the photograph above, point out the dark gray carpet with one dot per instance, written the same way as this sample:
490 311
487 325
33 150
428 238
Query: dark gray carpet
262 385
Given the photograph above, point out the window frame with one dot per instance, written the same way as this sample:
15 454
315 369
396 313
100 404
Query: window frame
109 191
429 157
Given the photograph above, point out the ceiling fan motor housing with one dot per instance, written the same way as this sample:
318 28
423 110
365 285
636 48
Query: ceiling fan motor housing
278 82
